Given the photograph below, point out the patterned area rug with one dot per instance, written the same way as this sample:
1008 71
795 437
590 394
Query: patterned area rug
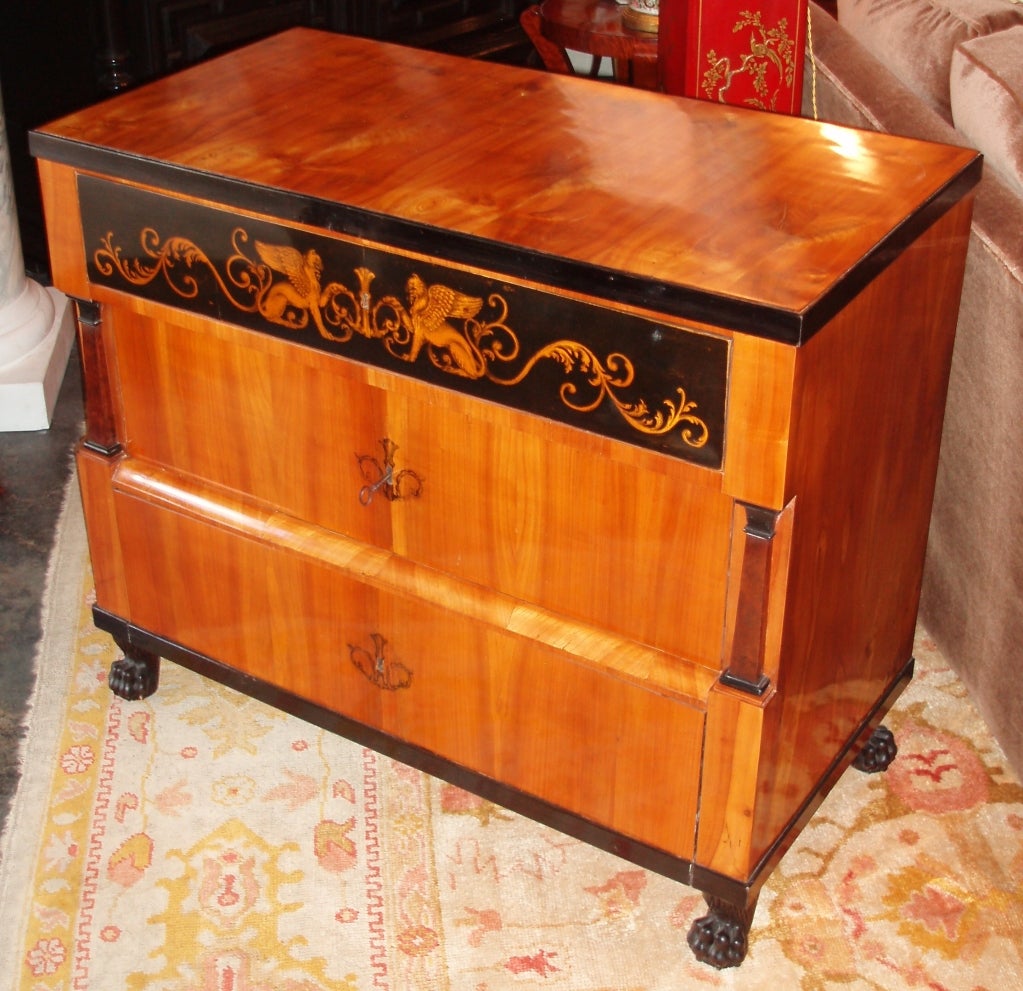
200 841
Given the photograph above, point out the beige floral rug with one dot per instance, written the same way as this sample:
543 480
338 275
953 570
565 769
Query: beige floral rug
200 841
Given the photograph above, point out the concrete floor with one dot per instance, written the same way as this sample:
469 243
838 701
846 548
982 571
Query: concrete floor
34 469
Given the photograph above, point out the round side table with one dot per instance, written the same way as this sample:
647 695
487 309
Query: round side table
597 28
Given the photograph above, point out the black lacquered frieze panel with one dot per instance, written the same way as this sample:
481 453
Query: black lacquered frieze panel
590 366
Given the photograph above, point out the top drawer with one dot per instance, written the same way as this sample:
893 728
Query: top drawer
592 366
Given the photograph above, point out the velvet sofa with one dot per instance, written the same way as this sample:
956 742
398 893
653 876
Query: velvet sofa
952 71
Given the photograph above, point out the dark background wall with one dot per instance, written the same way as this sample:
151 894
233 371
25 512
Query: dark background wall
57 56
47 68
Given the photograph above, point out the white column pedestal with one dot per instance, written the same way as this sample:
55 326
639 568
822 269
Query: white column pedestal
36 324
30 379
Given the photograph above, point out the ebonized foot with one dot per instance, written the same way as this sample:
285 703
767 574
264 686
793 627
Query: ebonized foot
721 937
878 752
136 675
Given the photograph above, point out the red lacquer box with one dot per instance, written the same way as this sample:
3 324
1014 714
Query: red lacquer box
731 51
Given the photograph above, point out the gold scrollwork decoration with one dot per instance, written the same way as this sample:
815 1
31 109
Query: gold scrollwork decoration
284 286
605 383
167 259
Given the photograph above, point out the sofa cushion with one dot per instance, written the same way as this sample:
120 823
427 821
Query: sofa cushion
915 39
987 99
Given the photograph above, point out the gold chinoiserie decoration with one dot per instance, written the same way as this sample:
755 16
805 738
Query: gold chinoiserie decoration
284 286
769 48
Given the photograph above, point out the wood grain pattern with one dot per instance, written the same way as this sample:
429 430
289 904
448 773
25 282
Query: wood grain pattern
733 786
859 529
568 520
95 472
495 685
759 421
542 161
66 247
626 659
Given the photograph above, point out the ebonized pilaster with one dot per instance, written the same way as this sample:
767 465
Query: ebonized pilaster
100 423
746 660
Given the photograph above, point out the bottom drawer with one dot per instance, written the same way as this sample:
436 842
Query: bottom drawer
489 684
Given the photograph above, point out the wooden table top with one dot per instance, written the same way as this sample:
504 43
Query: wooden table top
768 209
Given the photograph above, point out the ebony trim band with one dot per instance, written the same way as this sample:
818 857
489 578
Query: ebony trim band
685 302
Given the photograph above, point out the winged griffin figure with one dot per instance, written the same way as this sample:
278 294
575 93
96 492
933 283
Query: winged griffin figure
290 302
301 292
430 308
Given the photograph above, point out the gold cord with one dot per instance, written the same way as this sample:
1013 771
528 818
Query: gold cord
813 62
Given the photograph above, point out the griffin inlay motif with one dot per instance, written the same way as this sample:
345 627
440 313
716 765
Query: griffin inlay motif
462 335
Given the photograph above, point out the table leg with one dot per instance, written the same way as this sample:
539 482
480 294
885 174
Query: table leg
553 57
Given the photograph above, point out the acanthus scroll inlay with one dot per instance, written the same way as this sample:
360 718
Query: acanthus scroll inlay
462 335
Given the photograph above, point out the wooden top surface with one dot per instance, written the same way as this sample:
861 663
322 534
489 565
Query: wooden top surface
730 202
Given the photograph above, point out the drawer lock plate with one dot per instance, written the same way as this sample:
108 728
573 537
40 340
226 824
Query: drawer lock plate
377 666
381 477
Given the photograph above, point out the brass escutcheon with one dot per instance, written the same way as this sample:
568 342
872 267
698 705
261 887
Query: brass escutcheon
381 477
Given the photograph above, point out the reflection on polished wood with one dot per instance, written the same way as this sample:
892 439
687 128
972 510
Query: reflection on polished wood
522 158
672 658
597 28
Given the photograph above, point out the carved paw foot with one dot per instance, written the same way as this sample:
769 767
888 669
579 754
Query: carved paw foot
721 937
878 752
134 676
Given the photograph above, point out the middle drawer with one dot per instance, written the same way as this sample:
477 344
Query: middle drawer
592 528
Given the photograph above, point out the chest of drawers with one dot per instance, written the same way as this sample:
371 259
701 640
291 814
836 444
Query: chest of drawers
571 442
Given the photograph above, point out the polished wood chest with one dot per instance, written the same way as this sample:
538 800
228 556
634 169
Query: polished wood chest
571 442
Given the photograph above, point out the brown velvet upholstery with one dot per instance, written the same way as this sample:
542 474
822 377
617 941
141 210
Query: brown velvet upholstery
987 99
972 597
915 39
